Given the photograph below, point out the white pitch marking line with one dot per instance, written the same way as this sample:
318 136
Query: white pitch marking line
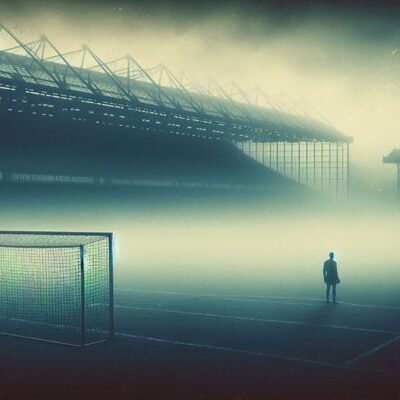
345 303
250 353
232 297
371 351
292 303
208 294
223 348
274 321
242 300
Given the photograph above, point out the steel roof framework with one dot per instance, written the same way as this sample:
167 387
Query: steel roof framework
83 72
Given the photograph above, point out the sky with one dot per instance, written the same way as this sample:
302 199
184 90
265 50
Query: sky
341 57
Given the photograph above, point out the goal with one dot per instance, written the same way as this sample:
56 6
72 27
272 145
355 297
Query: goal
57 286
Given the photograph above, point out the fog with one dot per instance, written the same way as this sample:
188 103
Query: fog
248 246
262 252
258 247
345 65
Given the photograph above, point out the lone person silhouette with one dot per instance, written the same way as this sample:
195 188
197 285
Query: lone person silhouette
331 277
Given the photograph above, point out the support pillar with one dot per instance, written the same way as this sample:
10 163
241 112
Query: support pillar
314 166
398 179
299 162
322 167
291 160
347 168
337 169
330 168
306 172
284 158
262 158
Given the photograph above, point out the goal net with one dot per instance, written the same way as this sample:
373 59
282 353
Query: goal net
57 287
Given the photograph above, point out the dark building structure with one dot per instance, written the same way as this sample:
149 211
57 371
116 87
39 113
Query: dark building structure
73 118
394 158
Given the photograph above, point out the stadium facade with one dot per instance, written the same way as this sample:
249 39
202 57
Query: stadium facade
73 118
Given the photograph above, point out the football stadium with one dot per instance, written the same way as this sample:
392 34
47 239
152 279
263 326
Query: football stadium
165 240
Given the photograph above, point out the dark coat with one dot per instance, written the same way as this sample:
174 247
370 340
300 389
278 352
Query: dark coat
330 272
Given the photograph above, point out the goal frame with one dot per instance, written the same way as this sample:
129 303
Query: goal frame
110 240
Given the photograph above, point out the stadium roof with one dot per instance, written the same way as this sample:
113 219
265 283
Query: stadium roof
83 74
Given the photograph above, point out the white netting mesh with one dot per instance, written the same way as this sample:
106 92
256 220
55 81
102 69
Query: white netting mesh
45 293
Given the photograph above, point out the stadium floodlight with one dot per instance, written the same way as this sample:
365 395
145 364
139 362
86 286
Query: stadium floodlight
57 286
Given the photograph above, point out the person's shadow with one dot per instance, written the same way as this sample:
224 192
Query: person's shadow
321 315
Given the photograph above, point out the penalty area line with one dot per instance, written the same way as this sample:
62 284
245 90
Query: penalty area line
371 351
202 346
223 349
